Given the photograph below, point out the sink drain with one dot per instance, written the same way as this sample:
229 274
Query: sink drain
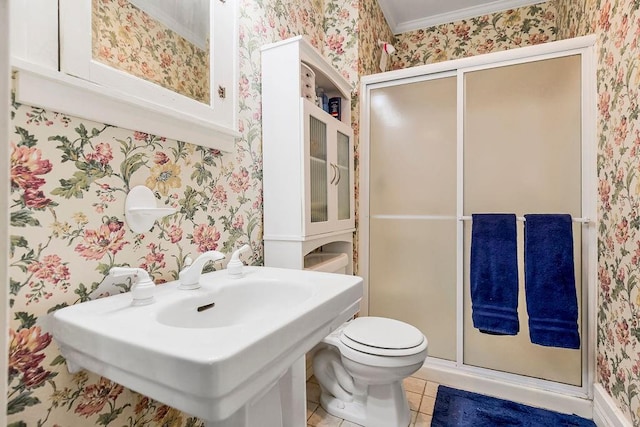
206 307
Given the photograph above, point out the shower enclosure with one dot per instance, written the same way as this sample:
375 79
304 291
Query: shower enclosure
505 132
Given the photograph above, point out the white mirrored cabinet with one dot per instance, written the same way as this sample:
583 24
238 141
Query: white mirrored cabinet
168 66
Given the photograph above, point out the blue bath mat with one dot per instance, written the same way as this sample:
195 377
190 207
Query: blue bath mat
458 408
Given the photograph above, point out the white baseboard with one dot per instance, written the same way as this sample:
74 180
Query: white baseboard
536 397
605 411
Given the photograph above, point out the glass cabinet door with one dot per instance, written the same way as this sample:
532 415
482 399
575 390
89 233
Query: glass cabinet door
318 170
343 180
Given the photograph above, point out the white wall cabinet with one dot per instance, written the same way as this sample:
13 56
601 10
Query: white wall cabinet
56 70
307 155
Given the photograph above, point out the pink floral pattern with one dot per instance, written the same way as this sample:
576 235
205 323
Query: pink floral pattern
206 237
63 248
126 38
69 176
26 168
96 396
615 24
483 34
108 239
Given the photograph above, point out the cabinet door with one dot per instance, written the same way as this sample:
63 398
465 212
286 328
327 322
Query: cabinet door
343 182
328 172
317 189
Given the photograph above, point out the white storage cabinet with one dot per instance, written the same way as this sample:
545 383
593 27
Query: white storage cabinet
307 155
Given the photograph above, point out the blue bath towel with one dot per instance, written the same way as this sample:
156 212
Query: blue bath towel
494 274
550 284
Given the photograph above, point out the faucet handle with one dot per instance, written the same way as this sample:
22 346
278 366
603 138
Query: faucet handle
143 288
189 277
234 267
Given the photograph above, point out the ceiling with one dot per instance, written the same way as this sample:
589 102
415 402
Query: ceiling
409 15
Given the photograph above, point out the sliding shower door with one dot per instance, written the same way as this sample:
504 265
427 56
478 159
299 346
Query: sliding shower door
522 154
503 136
412 205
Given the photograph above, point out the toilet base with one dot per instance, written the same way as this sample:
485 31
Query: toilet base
384 405
350 411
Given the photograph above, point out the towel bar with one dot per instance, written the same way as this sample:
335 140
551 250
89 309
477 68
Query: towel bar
521 218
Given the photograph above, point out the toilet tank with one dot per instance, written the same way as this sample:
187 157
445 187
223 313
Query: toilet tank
329 262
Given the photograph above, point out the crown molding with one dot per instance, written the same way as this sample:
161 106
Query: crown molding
455 15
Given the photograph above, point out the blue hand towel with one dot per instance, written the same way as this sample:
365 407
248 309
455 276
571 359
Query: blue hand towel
494 274
550 284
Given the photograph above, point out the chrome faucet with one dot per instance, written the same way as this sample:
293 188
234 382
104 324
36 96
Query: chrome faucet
189 277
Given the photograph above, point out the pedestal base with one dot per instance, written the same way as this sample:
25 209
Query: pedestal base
283 404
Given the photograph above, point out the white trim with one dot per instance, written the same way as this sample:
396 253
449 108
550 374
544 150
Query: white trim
477 382
4 185
66 94
479 60
505 377
605 411
363 222
458 15
459 213
589 208
297 238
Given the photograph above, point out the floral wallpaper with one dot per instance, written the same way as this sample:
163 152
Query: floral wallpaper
68 180
373 27
130 40
69 175
483 34
616 25
575 18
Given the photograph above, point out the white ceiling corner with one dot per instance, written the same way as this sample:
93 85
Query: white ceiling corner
410 15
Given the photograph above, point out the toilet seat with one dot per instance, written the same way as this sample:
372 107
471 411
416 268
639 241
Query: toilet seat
382 337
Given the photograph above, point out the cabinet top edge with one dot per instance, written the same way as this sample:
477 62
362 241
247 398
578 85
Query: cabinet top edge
279 43
316 60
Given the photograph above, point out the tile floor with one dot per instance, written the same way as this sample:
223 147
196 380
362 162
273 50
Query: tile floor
421 395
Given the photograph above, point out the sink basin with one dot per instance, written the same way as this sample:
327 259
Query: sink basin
211 351
242 301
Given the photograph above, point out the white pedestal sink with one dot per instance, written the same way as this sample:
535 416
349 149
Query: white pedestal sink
231 352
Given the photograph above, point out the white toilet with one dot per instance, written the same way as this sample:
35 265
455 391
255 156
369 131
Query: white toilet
361 366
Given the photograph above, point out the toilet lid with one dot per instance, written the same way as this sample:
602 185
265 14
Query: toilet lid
382 333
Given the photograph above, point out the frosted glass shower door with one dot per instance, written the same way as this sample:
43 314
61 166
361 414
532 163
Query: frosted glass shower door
412 206
522 154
